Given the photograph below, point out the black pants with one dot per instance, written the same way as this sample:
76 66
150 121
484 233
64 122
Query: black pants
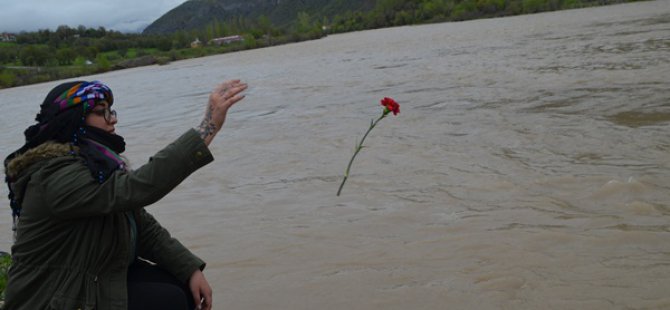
150 287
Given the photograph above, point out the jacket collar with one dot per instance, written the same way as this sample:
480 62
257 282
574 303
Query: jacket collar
44 151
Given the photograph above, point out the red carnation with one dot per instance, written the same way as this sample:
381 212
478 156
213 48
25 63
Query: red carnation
391 105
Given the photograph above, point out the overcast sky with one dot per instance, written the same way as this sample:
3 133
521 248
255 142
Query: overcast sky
120 15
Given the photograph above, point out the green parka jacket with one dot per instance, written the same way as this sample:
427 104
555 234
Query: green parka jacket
73 245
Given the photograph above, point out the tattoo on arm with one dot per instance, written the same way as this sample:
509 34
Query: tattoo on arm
207 127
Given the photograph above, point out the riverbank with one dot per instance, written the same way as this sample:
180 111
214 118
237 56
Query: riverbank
13 75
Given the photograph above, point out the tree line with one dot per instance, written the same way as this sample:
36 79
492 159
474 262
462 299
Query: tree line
67 52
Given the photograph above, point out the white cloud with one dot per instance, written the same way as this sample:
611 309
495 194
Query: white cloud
120 15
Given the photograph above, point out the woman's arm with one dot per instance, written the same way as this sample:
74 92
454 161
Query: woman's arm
70 191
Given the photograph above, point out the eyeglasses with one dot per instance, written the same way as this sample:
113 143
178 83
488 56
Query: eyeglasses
108 114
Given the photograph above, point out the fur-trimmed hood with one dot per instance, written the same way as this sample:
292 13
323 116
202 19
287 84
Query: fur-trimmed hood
44 151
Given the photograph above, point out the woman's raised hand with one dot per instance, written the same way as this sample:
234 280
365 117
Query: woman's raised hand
221 99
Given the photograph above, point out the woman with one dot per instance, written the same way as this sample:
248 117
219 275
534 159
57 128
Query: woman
83 238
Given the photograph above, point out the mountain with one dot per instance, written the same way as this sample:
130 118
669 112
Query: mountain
196 14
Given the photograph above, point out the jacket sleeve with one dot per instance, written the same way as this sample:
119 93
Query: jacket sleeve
71 191
156 244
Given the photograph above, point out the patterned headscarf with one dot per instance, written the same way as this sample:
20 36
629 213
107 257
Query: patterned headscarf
87 93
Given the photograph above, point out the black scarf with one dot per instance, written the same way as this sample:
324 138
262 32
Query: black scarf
102 163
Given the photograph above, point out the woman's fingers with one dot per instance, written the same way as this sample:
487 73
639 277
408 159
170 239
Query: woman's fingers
236 89
231 95
225 86
226 91
207 298
196 296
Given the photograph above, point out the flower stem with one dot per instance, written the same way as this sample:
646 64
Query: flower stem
359 147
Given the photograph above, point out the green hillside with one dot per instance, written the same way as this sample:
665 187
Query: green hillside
198 14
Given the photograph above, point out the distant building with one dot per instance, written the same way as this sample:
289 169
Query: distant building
226 40
197 43
7 37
